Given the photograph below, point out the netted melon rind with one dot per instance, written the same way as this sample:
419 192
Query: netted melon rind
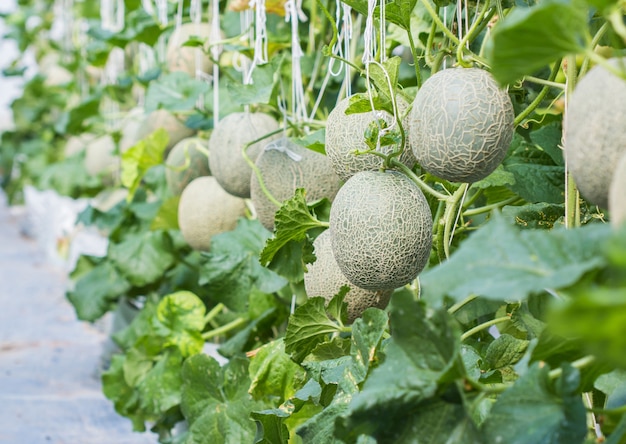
617 194
286 166
345 135
226 144
325 279
461 124
205 210
381 230
192 147
595 131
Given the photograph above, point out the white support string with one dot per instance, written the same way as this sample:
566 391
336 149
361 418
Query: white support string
260 38
346 29
161 12
295 15
112 19
215 53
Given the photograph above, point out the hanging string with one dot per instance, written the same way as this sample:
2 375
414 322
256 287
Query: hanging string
112 19
260 37
346 30
215 53
161 9
295 15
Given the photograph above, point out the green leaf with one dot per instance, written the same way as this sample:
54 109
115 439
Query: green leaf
501 262
504 351
270 427
232 267
143 258
386 76
292 222
262 89
548 138
160 389
308 327
201 375
97 290
315 141
72 121
421 357
531 412
533 216
274 376
124 397
320 429
399 12
528 39
175 92
146 154
181 321
167 217
498 178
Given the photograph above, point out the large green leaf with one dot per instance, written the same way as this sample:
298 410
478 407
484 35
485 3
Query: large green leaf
502 262
529 38
146 154
421 357
181 318
534 412
97 290
160 389
232 269
270 427
175 92
143 258
262 89
124 397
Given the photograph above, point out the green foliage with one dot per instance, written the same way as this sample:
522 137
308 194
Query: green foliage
146 154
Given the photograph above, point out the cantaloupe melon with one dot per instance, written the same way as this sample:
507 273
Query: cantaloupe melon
187 58
381 230
101 159
325 279
461 124
617 193
284 167
594 131
345 135
185 162
205 210
226 145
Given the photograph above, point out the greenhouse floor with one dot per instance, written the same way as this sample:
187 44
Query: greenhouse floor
49 361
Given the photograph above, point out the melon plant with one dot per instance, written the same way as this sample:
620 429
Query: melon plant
187 58
617 193
324 278
345 134
161 118
205 210
285 166
381 230
461 124
226 145
594 135
185 162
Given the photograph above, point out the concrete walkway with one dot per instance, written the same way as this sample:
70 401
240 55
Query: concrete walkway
49 380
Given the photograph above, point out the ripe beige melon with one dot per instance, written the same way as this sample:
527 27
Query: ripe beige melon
345 135
187 58
228 139
286 166
100 157
187 161
161 118
594 131
617 194
205 210
324 278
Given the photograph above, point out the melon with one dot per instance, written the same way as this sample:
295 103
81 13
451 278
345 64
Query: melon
205 210
161 118
284 167
345 135
130 127
461 124
617 193
594 131
185 162
226 144
381 230
187 58
101 158
77 144
324 278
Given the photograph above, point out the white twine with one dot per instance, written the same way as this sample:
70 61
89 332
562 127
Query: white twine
346 29
112 15
295 15
260 38
215 53
179 15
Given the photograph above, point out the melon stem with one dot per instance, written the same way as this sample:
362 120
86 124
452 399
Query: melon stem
542 94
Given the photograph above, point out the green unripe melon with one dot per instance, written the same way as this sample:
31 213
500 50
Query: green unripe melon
161 118
325 279
345 135
205 210
284 167
226 145
617 193
187 58
595 131
461 124
185 162
381 230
